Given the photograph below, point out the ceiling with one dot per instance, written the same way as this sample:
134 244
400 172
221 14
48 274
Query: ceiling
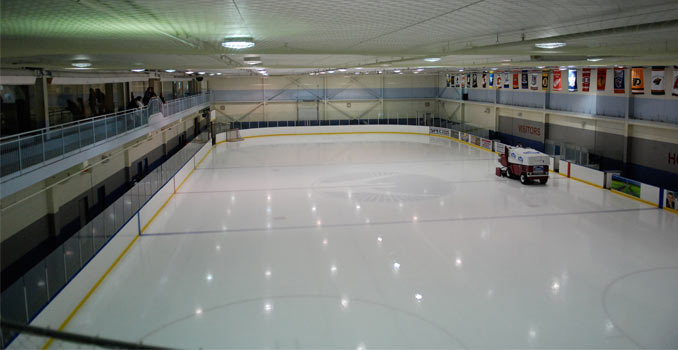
297 36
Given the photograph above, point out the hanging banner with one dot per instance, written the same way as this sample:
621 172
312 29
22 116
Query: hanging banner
533 81
515 80
524 80
601 74
468 80
637 83
475 80
507 80
498 80
491 79
572 80
484 80
463 81
449 81
675 81
657 81
585 79
557 80
544 80
619 81
457 81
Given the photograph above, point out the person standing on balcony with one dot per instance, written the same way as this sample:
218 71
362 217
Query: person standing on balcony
92 102
101 102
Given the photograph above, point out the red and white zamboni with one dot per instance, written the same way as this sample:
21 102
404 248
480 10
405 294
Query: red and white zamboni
525 163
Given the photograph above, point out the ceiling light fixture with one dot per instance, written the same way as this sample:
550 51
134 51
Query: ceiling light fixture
189 72
238 43
81 63
432 59
342 69
461 70
201 73
594 59
138 70
540 67
218 73
211 74
396 71
170 70
330 71
252 60
549 45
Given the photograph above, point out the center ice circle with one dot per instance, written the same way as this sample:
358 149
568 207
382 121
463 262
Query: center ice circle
384 186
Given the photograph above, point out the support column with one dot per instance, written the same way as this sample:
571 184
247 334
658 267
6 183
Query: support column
41 102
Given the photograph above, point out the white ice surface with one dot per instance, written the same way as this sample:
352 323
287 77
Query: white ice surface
389 241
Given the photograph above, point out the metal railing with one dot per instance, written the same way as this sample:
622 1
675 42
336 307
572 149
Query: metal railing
26 297
23 152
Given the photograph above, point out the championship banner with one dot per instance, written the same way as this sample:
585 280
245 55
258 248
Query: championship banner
544 80
585 79
456 80
507 80
557 80
675 81
498 80
619 81
601 75
475 80
491 79
463 81
515 79
449 80
468 80
533 81
657 81
572 80
524 80
637 83
484 80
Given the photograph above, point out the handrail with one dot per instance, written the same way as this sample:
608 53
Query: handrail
90 119
35 148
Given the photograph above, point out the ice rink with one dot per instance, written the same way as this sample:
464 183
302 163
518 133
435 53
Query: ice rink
389 241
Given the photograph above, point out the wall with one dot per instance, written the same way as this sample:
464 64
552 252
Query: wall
334 97
663 108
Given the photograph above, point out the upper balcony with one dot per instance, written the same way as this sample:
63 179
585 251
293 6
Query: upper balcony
30 157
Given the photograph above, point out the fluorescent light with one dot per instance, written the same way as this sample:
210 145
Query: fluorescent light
461 70
594 59
189 72
549 45
252 60
170 70
396 71
330 71
218 73
540 67
342 69
201 73
211 74
238 43
138 70
420 69
358 67
81 63
432 59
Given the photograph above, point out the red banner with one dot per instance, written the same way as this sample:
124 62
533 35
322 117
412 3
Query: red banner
557 80
602 78
516 80
585 79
